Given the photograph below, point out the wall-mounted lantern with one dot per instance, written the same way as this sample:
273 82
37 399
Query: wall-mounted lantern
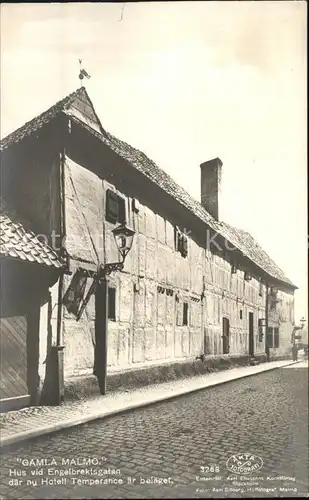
262 322
248 275
233 269
124 239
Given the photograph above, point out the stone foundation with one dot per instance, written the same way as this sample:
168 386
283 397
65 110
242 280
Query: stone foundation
83 387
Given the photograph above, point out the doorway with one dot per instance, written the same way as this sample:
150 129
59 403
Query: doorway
226 336
251 335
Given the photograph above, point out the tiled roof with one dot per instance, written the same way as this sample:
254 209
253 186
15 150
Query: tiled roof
38 122
245 242
20 243
241 239
238 237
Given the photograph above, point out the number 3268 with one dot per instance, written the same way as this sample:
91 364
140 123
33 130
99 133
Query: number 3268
210 468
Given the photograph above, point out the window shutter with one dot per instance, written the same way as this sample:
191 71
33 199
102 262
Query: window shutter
112 206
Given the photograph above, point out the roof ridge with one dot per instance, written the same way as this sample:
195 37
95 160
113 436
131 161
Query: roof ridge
54 109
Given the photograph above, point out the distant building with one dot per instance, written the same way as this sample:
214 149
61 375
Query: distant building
191 284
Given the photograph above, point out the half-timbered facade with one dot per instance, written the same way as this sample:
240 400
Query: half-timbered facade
191 285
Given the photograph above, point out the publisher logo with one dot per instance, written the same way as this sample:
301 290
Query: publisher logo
244 463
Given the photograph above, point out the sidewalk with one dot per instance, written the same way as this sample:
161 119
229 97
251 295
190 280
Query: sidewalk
17 426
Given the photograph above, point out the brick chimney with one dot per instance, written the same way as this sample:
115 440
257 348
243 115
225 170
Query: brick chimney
211 172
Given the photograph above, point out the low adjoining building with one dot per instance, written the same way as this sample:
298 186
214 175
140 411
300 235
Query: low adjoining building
28 268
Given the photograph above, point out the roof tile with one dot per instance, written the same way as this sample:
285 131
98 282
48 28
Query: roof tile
17 241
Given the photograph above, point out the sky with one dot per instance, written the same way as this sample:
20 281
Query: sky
184 82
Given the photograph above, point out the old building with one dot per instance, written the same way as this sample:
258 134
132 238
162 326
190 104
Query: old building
191 284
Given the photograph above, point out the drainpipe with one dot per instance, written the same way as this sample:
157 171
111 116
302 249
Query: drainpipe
101 328
266 323
58 348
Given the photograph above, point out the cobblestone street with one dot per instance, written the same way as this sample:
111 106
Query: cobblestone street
178 448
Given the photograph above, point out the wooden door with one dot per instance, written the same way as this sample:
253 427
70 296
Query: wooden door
14 369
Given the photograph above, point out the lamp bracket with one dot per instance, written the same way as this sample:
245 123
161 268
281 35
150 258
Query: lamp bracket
110 268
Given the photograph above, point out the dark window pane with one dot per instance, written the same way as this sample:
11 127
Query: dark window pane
276 337
184 252
121 210
112 303
115 208
112 208
185 313
270 342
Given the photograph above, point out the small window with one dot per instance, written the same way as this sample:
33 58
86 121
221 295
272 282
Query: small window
112 303
270 342
181 242
233 269
240 314
185 313
276 337
177 237
184 246
115 208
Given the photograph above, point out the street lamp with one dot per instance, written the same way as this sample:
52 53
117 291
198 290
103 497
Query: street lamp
302 322
75 301
123 235
124 239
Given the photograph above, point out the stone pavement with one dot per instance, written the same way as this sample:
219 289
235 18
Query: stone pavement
185 447
31 422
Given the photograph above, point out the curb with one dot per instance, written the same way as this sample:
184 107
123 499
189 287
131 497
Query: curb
40 431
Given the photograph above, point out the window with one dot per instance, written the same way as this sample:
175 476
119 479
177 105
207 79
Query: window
260 326
177 235
240 314
276 337
260 289
115 208
181 242
185 313
270 337
112 303
184 245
